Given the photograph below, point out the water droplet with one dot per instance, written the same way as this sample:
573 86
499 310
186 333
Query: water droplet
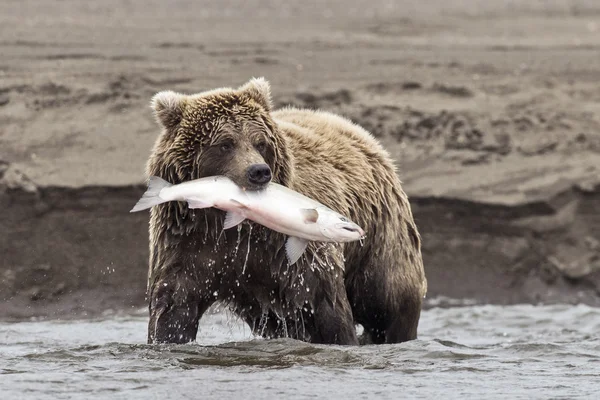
247 251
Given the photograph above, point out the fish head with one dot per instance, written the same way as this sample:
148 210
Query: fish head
338 228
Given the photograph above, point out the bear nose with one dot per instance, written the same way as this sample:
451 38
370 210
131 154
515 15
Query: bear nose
259 174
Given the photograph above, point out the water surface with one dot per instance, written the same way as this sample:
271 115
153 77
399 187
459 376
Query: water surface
491 352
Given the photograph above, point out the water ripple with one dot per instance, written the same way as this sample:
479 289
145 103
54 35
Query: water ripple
468 352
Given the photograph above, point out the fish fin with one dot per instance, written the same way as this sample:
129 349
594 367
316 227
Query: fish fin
195 203
310 215
151 197
294 248
232 219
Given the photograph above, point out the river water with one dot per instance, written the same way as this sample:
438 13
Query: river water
474 352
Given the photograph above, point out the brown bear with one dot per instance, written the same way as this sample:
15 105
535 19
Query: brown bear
194 263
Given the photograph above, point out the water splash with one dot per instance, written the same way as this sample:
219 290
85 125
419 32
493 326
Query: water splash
206 228
248 250
217 229
218 239
239 239
262 324
303 324
281 321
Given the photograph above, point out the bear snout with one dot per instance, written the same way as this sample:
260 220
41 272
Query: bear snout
259 174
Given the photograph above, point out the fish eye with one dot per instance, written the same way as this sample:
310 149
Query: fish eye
344 219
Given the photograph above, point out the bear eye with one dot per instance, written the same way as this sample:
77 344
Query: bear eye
226 147
261 146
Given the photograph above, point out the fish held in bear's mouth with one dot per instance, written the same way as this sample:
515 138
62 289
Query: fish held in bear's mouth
275 207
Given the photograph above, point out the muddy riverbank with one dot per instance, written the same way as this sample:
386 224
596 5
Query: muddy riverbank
491 109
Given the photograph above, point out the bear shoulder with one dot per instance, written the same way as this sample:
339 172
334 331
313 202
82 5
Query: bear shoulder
327 125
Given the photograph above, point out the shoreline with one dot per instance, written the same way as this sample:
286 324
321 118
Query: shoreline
94 253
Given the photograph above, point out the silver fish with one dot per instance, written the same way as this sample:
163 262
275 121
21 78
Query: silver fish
275 207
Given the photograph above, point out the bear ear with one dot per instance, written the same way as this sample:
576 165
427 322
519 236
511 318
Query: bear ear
168 108
260 91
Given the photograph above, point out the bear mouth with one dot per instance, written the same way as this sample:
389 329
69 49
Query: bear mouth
254 188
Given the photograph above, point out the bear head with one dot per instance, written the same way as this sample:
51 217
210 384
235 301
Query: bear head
225 131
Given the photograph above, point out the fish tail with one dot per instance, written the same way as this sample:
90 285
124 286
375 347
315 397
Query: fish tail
152 196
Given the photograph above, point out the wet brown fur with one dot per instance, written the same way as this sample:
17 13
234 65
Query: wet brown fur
193 263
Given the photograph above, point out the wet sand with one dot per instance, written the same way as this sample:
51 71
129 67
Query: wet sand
491 109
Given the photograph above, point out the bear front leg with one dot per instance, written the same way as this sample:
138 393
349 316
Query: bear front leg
333 321
319 283
174 316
